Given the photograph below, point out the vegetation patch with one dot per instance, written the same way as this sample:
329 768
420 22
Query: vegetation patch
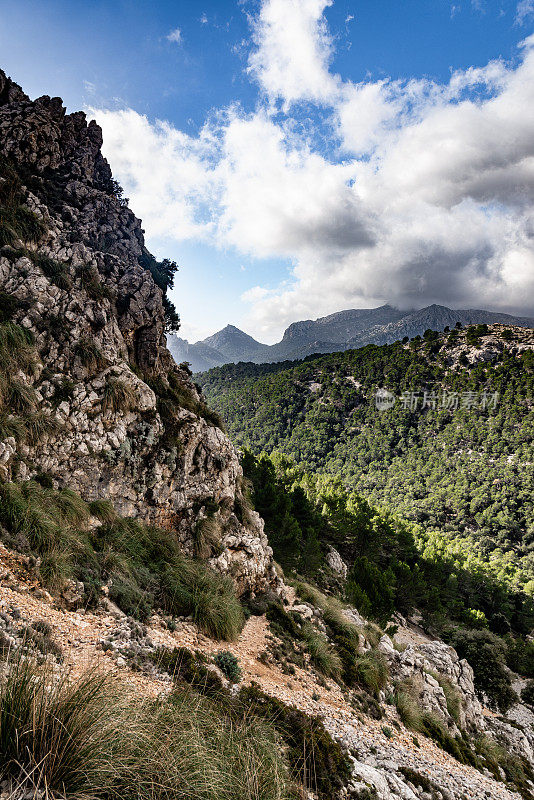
17 222
56 271
229 665
92 284
143 564
316 761
118 396
89 354
87 737
18 415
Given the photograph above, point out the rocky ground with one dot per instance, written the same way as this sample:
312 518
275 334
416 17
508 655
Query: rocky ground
380 750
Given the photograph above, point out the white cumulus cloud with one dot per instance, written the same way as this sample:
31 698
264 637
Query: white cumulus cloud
293 51
425 193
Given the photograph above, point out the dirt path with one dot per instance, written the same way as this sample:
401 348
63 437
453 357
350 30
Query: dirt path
80 635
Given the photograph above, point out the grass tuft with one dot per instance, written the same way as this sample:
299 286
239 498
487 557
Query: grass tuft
322 655
118 396
86 738
89 354
372 671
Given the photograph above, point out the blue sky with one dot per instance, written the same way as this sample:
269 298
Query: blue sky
294 140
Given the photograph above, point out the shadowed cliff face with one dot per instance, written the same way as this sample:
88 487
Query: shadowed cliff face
120 419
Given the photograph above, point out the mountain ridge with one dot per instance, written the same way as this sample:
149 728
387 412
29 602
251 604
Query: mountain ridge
342 330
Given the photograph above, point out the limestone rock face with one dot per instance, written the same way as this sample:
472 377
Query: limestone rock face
128 423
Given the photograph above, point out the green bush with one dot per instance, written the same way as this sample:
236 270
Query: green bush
189 669
229 665
527 693
486 655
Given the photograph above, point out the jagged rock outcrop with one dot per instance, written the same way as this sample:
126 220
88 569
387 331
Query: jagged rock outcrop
421 664
123 421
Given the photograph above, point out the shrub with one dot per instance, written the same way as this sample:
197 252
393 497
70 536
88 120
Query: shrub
188 668
118 396
63 391
367 704
420 780
527 693
485 653
229 665
322 654
520 656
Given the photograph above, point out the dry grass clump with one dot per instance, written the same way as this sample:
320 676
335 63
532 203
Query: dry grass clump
87 738
118 396
89 354
17 223
207 535
19 415
322 655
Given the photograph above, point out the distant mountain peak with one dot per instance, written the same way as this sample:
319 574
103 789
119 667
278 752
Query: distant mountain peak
342 330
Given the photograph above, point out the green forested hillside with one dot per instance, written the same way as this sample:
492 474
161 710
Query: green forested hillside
464 474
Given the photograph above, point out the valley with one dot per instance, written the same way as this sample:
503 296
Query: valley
305 580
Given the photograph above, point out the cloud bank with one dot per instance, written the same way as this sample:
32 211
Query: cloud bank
424 192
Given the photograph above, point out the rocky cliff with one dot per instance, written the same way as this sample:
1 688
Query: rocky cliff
109 414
